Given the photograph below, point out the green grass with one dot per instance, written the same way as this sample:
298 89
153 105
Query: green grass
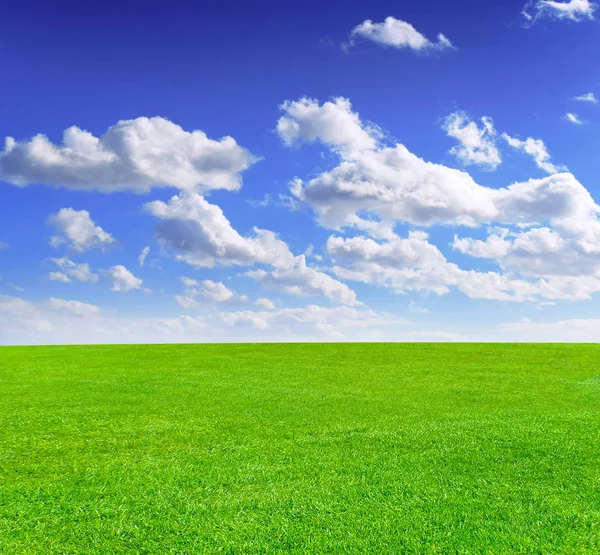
326 448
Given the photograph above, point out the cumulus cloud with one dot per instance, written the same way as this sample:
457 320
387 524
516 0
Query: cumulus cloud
334 124
78 230
573 118
415 251
440 276
414 264
71 270
549 239
399 34
540 252
573 10
537 150
477 144
265 304
395 185
202 236
135 155
211 291
59 276
588 97
299 279
123 279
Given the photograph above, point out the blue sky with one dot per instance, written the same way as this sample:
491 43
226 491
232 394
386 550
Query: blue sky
298 171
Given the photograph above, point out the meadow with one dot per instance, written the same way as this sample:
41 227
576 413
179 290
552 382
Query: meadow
300 448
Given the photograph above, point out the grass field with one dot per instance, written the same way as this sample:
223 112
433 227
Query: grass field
324 448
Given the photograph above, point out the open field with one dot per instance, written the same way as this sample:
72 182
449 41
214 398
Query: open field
325 448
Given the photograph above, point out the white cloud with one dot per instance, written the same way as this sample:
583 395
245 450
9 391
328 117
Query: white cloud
79 272
3 245
282 201
134 155
211 291
143 255
554 249
68 322
265 304
588 97
310 320
217 292
396 33
123 279
413 251
73 307
23 322
540 252
333 124
395 185
299 279
575 330
202 236
573 10
78 230
416 309
413 264
189 282
477 144
573 118
59 276
537 150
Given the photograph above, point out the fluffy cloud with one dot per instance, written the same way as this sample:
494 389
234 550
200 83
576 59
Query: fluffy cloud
265 304
396 33
390 184
202 236
123 279
573 118
211 291
78 230
588 97
477 144
440 276
413 251
573 10
59 276
537 150
334 124
70 270
299 279
540 252
551 239
134 155
414 264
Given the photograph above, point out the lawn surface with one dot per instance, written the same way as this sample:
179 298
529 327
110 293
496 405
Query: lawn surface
323 448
